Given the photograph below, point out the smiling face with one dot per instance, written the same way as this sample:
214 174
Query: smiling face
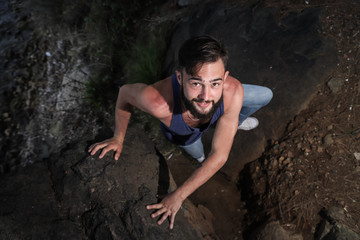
201 93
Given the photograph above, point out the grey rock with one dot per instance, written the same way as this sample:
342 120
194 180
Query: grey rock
333 226
274 231
85 197
335 84
28 208
328 139
184 3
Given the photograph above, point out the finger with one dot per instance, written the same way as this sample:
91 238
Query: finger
96 147
154 206
163 217
106 149
172 221
90 148
159 212
117 154
103 152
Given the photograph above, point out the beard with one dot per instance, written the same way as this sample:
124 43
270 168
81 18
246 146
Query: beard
189 105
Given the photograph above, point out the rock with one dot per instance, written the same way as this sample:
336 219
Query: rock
274 231
184 3
29 209
328 140
287 161
274 164
335 84
44 150
332 227
85 197
320 149
357 156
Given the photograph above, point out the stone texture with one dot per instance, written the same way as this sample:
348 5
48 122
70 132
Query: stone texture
335 84
76 196
333 226
274 231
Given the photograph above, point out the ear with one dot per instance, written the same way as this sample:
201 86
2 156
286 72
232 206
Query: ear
178 76
226 75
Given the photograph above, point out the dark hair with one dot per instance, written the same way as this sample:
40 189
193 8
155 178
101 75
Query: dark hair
199 50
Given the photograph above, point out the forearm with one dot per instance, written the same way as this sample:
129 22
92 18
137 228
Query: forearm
122 119
122 114
212 165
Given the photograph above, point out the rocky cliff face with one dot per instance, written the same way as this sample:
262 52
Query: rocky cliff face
49 187
79 196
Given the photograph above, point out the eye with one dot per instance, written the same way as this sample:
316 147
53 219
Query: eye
195 84
215 84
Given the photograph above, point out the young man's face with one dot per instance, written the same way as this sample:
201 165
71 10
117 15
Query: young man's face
201 93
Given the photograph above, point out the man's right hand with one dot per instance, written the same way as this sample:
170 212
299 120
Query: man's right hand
113 143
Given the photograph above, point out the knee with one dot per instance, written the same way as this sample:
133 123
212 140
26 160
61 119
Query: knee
267 95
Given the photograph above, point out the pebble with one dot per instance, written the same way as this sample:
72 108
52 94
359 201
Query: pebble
357 156
335 84
7 132
287 161
328 140
274 163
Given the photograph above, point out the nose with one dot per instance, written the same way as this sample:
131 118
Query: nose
204 93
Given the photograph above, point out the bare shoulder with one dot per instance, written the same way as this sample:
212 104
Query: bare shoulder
233 93
159 98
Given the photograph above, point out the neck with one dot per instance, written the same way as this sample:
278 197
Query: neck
189 116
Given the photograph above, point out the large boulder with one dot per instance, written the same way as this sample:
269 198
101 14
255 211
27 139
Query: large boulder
288 55
77 196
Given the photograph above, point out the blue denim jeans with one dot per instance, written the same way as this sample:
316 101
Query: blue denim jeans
255 97
196 149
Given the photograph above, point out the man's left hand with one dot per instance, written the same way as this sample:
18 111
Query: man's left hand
168 207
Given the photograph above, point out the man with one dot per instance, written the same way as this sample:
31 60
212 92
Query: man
199 94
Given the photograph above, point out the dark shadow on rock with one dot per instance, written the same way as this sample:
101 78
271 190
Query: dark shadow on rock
77 196
103 134
164 178
333 225
255 216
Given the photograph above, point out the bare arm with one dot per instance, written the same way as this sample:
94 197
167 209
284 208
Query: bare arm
142 96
